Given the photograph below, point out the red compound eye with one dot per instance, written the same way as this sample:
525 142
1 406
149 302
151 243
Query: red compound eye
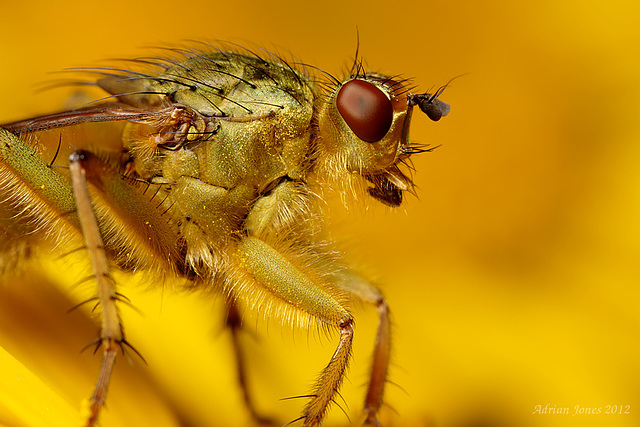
366 110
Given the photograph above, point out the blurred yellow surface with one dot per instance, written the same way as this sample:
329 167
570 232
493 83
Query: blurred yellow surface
512 279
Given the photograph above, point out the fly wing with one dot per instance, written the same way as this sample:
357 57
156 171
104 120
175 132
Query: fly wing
107 112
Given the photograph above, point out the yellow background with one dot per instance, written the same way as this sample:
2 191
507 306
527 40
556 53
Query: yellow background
512 279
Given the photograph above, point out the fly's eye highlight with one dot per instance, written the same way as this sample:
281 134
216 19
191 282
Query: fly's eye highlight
366 110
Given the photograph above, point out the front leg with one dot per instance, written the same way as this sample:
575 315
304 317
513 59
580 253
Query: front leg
331 377
368 293
272 270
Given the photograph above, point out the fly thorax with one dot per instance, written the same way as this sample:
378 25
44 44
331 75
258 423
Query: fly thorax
254 150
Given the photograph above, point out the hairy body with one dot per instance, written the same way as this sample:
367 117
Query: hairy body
215 179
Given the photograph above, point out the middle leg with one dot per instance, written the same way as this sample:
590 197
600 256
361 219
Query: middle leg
233 321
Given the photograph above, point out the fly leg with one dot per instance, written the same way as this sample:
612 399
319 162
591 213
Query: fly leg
111 333
331 377
37 199
58 209
380 366
234 323
283 279
61 212
368 293
133 218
